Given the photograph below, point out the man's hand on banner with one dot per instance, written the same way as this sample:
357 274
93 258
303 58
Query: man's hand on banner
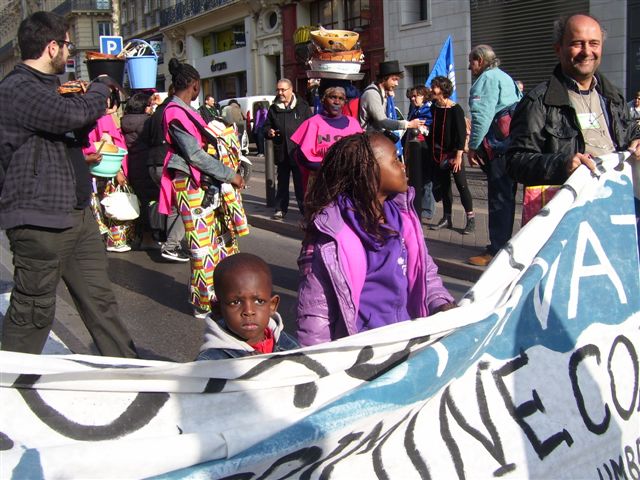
581 159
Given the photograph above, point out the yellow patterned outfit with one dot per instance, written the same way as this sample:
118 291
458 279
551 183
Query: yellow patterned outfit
211 233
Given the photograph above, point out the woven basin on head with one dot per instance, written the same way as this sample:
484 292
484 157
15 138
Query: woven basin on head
334 39
109 165
112 67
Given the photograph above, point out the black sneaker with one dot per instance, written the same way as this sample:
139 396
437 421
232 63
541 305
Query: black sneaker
175 255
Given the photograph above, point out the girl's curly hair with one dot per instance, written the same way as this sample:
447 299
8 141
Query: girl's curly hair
350 168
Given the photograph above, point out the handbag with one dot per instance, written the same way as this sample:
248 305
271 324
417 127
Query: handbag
121 205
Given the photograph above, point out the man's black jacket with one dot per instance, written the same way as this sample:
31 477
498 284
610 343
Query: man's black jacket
545 132
285 120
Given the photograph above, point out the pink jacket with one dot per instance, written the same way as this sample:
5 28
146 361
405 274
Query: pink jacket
332 274
174 112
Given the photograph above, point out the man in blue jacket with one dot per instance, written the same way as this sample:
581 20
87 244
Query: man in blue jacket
493 93
45 193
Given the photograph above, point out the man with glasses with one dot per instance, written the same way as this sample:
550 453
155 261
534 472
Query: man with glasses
284 117
45 190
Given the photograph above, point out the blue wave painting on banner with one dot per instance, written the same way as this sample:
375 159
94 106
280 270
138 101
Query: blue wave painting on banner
535 375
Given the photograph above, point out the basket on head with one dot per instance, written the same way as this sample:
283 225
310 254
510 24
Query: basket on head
142 69
114 67
334 39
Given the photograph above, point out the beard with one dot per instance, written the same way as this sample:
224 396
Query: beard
59 63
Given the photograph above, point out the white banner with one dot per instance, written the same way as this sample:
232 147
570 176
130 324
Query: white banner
534 376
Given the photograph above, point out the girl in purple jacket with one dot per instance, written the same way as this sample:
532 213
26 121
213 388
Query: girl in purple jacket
364 263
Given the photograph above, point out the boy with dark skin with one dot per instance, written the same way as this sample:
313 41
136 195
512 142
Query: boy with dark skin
246 311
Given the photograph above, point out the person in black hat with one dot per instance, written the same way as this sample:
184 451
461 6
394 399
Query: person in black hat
373 102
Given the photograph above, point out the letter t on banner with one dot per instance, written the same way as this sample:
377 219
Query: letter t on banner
445 66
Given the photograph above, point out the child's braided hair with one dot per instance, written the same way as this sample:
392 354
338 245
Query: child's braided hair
350 168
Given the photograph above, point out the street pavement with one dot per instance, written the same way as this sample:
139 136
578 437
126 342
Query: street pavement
152 292
152 298
449 248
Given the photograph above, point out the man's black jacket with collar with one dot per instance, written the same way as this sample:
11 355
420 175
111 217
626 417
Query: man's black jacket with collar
545 132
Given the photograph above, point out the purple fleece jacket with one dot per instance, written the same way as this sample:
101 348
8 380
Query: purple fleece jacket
332 273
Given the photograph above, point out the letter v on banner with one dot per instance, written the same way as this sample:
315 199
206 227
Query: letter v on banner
445 66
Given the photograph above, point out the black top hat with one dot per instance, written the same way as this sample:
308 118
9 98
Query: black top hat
389 68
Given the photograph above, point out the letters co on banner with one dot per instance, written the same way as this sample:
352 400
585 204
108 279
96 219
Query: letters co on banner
536 375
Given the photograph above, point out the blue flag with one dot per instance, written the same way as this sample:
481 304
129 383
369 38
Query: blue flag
392 114
445 66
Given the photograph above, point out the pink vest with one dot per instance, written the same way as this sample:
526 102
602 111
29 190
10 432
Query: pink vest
174 112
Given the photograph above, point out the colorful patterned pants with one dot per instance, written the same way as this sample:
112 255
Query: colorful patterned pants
208 236
118 233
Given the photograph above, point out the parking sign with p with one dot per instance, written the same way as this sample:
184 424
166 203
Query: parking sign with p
110 44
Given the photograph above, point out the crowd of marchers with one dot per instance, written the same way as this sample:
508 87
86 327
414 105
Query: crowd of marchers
363 262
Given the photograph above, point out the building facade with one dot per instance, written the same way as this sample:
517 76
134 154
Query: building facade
520 31
88 20
241 47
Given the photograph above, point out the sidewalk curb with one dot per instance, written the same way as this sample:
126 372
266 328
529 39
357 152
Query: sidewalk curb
446 266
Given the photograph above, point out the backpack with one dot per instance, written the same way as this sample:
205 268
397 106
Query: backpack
497 139
158 146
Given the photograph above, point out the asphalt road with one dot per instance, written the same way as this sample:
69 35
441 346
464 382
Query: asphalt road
152 295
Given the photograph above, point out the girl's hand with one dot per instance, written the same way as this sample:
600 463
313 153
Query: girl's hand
445 307
121 180
456 164
93 158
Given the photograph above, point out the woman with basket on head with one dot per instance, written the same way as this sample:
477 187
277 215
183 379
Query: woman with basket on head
446 140
197 169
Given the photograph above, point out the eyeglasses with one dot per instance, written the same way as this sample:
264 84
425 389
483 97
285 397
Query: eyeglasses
337 97
282 89
70 45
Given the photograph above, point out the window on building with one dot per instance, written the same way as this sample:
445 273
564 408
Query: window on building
104 28
103 4
414 11
357 14
148 6
123 13
208 45
325 13
225 40
419 73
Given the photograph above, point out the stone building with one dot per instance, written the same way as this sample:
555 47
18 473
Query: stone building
241 47
88 19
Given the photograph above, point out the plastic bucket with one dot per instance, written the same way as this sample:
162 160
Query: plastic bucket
142 70
109 165
112 67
